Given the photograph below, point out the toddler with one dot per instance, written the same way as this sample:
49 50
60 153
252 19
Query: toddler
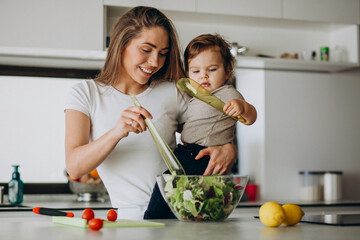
208 61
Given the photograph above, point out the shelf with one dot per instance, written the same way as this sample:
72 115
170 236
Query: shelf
82 59
54 58
293 65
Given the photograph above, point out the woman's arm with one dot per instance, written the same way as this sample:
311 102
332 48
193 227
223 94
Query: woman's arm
222 158
82 156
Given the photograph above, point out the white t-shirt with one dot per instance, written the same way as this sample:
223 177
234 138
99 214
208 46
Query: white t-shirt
129 172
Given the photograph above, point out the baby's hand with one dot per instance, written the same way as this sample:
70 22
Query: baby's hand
234 107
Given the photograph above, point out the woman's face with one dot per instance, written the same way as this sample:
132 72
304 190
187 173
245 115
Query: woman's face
207 69
143 57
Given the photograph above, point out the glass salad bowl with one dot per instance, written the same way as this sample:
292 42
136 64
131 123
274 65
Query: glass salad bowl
202 198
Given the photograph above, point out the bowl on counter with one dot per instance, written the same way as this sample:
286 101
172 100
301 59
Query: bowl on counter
202 198
87 188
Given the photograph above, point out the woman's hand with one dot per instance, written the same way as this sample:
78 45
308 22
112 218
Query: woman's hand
131 120
83 156
222 158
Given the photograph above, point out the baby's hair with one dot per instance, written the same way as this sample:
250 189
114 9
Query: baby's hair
206 41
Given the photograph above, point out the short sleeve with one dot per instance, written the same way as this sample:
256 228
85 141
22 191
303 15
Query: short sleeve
78 98
227 93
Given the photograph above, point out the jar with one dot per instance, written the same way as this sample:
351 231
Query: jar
332 185
312 185
324 53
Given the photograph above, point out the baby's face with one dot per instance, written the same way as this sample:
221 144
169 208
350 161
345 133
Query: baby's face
207 69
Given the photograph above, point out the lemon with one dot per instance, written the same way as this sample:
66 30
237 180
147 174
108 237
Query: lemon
293 213
271 214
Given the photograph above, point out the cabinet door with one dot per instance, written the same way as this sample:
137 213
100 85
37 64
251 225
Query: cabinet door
253 8
334 11
65 24
184 5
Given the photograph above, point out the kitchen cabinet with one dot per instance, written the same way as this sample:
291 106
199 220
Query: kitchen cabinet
51 33
52 24
334 11
255 8
39 33
306 121
261 26
186 5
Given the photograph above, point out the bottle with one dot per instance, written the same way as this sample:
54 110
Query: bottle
16 187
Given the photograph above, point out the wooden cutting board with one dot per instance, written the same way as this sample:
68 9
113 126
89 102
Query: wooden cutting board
82 223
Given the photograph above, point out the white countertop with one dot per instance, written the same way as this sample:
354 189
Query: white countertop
240 225
69 201
58 201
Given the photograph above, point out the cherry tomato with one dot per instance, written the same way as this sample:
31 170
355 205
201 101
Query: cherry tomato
88 214
112 215
95 224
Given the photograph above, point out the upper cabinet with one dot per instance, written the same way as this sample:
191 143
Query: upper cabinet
73 34
65 24
184 5
253 8
334 11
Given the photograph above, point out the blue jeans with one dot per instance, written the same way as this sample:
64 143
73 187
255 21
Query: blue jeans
158 208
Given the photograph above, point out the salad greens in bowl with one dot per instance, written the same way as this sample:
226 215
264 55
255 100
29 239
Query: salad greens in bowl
202 198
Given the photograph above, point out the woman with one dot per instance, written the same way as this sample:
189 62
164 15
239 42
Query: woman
101 119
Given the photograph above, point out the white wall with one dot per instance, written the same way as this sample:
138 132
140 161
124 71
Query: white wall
311 123
32 127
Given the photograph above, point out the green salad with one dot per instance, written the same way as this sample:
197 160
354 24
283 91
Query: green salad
201 198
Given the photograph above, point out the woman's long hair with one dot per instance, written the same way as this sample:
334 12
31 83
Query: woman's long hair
129 26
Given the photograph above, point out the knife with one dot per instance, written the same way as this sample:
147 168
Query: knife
194 89
51 212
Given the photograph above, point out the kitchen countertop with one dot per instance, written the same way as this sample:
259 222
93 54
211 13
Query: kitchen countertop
240 225
58 201
69 201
